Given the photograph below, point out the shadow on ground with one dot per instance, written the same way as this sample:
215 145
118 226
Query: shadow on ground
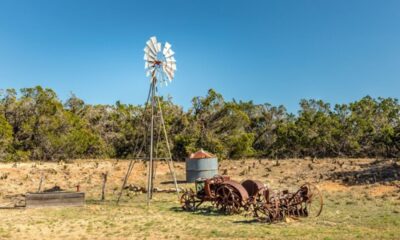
249 221
379 171
205 211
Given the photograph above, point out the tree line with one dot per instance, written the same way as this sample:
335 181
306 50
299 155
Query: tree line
36 125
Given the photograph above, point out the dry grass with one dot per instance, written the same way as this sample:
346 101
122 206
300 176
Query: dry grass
351 212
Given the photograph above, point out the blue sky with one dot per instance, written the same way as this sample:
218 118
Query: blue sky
267 51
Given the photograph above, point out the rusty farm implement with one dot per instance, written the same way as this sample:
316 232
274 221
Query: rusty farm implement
231 197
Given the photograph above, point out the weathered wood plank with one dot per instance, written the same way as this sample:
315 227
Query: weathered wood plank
55 199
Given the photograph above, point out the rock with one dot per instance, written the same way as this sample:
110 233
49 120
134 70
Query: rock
290 219
135 188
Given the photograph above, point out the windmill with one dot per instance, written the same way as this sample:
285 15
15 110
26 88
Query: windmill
160 66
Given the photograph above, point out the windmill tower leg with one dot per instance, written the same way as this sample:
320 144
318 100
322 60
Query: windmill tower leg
138 151
169 161
128 173
150 164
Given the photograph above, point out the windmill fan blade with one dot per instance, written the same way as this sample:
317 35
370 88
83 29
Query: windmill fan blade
169 53
166 47
148 64
171 65
153 39
149 58
169 68
156 45
151 47
165 71
169 77
149 72
148 51
171 60
170 74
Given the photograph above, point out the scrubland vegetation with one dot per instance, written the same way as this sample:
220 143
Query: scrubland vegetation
36 125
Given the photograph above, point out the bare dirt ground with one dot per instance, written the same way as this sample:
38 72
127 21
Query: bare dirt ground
362 200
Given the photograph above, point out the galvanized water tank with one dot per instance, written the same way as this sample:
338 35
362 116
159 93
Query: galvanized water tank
201 165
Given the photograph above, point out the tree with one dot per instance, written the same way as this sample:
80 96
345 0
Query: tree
6 138
316 128
35 124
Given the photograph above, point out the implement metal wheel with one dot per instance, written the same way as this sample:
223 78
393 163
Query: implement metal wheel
188 201
264 213
313 201
228 200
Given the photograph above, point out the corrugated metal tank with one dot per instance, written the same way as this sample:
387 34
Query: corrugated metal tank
201 165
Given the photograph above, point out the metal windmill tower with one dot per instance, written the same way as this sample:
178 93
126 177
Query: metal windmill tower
160 66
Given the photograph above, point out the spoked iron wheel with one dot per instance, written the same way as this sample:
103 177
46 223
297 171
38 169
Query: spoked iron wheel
314 201
264 213
228 200
277 212
188 201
